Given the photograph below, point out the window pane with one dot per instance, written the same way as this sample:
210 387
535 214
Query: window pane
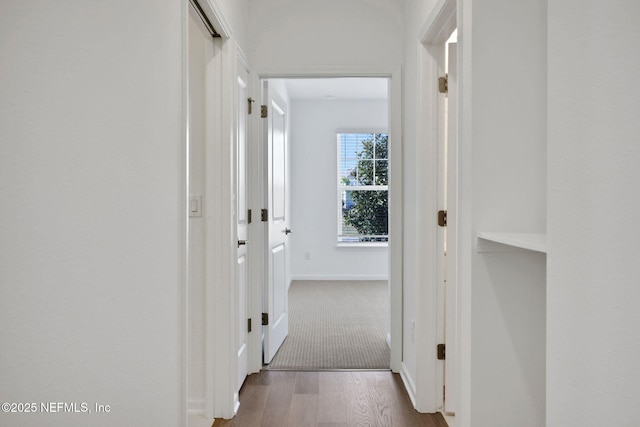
364 172
365 215
381 140
349 149
382 172
367 146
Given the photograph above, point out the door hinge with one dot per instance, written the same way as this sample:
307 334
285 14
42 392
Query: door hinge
250 101
248 325
249 216
264 111
264 215
442 218
265 319
443 84
442 351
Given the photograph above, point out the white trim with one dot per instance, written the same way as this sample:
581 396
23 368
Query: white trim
220 309
355 277
394 73
183 280
363 245
218 20
409 385
329 71
465 228
236 402
363 130
396 227
440 23
242 60
196 407
430 372
449 418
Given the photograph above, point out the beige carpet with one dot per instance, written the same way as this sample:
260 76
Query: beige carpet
336 325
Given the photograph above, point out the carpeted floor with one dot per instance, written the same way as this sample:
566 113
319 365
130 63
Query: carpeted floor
336 325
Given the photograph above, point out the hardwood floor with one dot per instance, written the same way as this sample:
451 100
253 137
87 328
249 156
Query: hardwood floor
327 399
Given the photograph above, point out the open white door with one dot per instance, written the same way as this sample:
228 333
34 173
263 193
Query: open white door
276 232
451 287
242 223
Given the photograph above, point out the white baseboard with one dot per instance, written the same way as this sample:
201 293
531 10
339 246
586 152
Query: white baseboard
236 403
357 277
196 407
409 385
450 419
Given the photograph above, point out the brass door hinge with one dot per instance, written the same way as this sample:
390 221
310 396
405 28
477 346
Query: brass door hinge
443 84
264 215
442 218
248 325
442 351
265 319
264 111
249 216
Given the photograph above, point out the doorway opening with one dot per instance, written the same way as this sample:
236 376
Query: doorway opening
331 247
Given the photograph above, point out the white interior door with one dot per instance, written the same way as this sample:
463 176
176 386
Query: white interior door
275 301
451 287
242 223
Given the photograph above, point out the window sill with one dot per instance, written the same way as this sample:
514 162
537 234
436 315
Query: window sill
363 245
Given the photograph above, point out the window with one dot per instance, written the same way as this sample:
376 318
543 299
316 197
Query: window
363 187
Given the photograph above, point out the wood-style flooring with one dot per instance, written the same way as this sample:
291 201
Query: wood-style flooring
327 399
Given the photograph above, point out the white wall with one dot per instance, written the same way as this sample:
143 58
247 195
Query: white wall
313 150
508 193
303 33
592 292
91 212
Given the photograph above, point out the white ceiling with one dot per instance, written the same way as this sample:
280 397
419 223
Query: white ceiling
338 88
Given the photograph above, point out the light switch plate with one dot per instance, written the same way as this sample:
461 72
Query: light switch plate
195 206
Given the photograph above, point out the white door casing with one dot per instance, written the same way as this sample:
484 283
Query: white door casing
200 55
434 35
276 191
451 287
394 73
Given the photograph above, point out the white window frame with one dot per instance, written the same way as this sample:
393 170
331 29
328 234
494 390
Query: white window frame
341 188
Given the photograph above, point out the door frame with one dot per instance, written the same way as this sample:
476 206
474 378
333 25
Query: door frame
394 74
431 56
220 358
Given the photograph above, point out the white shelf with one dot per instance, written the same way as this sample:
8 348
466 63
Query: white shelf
536 242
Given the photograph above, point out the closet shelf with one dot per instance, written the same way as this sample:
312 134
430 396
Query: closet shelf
536 242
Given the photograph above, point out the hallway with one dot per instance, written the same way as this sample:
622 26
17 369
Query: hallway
338 398
96 208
